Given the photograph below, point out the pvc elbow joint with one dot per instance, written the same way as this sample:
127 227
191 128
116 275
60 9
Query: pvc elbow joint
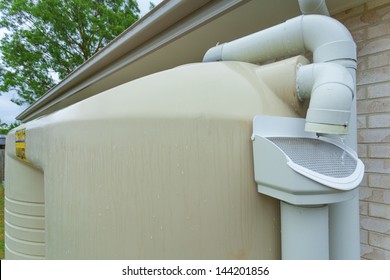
331 90
214 54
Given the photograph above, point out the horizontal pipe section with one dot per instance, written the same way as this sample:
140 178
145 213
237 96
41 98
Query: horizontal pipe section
325 37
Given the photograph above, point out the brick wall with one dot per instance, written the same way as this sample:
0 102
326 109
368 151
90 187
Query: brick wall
370 27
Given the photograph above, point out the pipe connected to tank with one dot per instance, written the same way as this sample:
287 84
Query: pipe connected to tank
333 44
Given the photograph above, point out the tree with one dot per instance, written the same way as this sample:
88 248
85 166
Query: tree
151 6
48 39
5 128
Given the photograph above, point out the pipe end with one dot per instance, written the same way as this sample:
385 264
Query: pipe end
321 128
213 54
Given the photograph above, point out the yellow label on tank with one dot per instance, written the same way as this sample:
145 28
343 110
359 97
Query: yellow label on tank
20 144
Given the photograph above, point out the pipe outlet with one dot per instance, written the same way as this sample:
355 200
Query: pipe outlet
330 88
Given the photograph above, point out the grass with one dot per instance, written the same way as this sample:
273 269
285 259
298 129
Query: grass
1 221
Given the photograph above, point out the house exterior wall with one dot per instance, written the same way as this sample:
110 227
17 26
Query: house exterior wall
370 27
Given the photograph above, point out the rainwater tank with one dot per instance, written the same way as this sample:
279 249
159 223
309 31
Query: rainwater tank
157 168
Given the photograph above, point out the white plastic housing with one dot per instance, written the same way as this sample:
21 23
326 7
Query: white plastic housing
297 167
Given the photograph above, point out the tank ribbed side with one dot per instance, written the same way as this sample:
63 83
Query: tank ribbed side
24 229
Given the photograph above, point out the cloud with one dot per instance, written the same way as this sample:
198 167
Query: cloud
8 109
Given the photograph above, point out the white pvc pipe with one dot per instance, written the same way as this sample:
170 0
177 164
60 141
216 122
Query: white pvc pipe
344 220
313 7
305 233
329 41
325 37
344 229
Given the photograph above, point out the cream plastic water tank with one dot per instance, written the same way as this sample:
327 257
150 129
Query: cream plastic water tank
158 168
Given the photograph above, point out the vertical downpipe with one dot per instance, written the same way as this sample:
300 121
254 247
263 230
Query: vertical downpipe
304 232
344 223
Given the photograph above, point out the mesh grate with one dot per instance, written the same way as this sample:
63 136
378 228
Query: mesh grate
316 155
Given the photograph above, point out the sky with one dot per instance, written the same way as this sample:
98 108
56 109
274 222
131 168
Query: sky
9 110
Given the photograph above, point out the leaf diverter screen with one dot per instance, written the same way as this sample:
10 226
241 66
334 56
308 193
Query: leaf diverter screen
318 156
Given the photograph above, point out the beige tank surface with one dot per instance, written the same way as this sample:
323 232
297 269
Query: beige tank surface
158 168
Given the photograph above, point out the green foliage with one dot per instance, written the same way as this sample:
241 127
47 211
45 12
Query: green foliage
46 38
5 128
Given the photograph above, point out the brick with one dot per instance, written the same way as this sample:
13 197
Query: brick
376 11
379 151
364 182
374 46
375 224
369 25
363 208
377 166
379 210
378 90
376 121
376 3
382 8
359 35
361 121
365 250
362 150
364 193
362 64
375 75
361 92
342 16
355 22
379 60
379 180
363 236
372 253
379 240
374 195
378 30
372 135
379 105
